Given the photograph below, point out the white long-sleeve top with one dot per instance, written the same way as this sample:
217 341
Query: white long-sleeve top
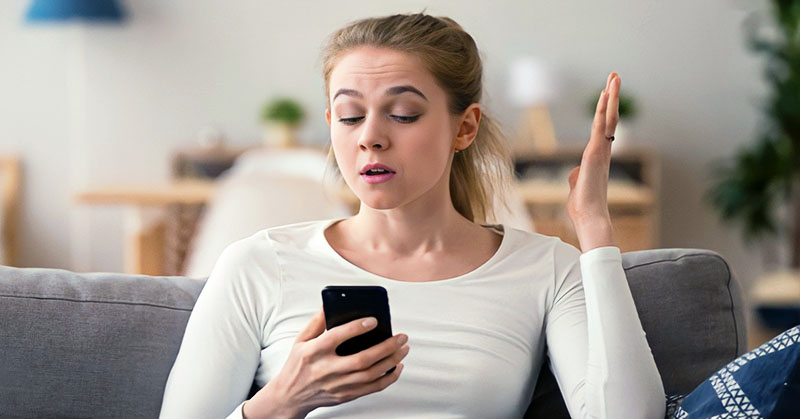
477 340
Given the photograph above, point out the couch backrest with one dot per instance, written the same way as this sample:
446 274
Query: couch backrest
692 311
88 345
102 345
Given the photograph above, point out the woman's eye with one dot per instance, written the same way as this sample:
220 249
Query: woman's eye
350 121
399 118
405 119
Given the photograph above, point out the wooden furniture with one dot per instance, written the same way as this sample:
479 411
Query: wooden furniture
631 206
633 195
147 235
775 302
10 185
161 219
205 163
146 242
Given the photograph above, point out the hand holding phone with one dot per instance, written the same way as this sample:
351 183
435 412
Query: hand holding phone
314 375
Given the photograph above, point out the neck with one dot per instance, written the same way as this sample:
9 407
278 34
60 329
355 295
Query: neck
428 224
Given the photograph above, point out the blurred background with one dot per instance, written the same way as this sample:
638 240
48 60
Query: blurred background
110 121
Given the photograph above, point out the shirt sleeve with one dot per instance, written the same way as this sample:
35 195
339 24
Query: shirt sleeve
598 351
220 352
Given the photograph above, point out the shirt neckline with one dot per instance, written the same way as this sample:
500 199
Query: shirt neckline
341 259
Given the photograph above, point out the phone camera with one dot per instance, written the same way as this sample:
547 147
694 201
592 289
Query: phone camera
344 295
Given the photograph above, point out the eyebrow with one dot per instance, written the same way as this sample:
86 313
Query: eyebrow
396 90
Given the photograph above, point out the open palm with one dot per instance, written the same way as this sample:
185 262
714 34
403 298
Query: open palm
587 205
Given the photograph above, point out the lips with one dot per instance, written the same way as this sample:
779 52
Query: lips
373 166
381 178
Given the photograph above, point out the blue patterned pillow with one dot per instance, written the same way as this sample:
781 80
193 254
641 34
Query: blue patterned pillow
764 382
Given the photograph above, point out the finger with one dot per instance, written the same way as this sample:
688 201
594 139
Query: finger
372 355
384 381
358 390
599 122
609 79
374 372
612 112
314 328
335 336
573 177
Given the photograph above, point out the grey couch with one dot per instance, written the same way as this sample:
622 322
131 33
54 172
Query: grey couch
101 345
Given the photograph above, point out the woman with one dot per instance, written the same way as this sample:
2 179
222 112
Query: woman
475 304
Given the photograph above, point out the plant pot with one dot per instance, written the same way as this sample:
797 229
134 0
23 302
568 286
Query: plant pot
280 135
622 139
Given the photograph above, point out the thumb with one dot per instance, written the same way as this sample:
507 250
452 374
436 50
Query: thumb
314 328
573 177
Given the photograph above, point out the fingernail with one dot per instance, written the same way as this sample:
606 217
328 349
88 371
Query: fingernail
369 322
402 339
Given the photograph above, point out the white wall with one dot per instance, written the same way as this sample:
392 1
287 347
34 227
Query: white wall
91 105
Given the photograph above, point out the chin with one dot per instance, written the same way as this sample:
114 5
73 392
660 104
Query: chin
380 200
378 203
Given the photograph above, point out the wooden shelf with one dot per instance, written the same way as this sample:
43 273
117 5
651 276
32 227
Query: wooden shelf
633 203
188 191
633 194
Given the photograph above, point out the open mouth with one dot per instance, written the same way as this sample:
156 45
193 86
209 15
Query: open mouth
376 172
377 176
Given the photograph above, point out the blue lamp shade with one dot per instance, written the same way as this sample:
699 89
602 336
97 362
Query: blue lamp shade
63 10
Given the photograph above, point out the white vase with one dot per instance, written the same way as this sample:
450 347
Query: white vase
622 138
279 135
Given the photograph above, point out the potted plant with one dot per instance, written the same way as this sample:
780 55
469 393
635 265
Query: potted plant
281 118
759 188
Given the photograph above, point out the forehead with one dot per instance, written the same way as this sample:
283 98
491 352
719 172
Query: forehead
370 70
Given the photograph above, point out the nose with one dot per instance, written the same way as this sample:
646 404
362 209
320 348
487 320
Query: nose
373 134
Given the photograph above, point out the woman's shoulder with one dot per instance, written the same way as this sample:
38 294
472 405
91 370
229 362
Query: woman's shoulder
526 238
259 254
283 237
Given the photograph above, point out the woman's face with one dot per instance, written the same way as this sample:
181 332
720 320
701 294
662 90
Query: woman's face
385 107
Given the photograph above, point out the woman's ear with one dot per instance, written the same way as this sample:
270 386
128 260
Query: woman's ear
328 115
468 127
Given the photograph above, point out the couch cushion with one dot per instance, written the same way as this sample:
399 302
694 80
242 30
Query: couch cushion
764 382
692 310
88 345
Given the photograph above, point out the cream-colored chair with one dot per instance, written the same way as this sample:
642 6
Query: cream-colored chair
273 187
264 188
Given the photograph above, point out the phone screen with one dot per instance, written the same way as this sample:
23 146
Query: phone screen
343 304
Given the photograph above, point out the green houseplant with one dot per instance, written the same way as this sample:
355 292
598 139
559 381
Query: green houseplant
281 117
760 187
627 107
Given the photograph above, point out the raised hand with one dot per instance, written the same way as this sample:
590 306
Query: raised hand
587 205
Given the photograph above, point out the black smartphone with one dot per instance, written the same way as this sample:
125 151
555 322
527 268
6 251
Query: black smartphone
343 304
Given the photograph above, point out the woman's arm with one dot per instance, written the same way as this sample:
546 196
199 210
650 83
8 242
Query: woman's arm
598 350
221 347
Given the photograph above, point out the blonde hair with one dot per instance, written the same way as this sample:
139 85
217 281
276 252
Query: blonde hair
484 168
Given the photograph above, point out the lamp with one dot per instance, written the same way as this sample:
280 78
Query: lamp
531 87
39 14
63 10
